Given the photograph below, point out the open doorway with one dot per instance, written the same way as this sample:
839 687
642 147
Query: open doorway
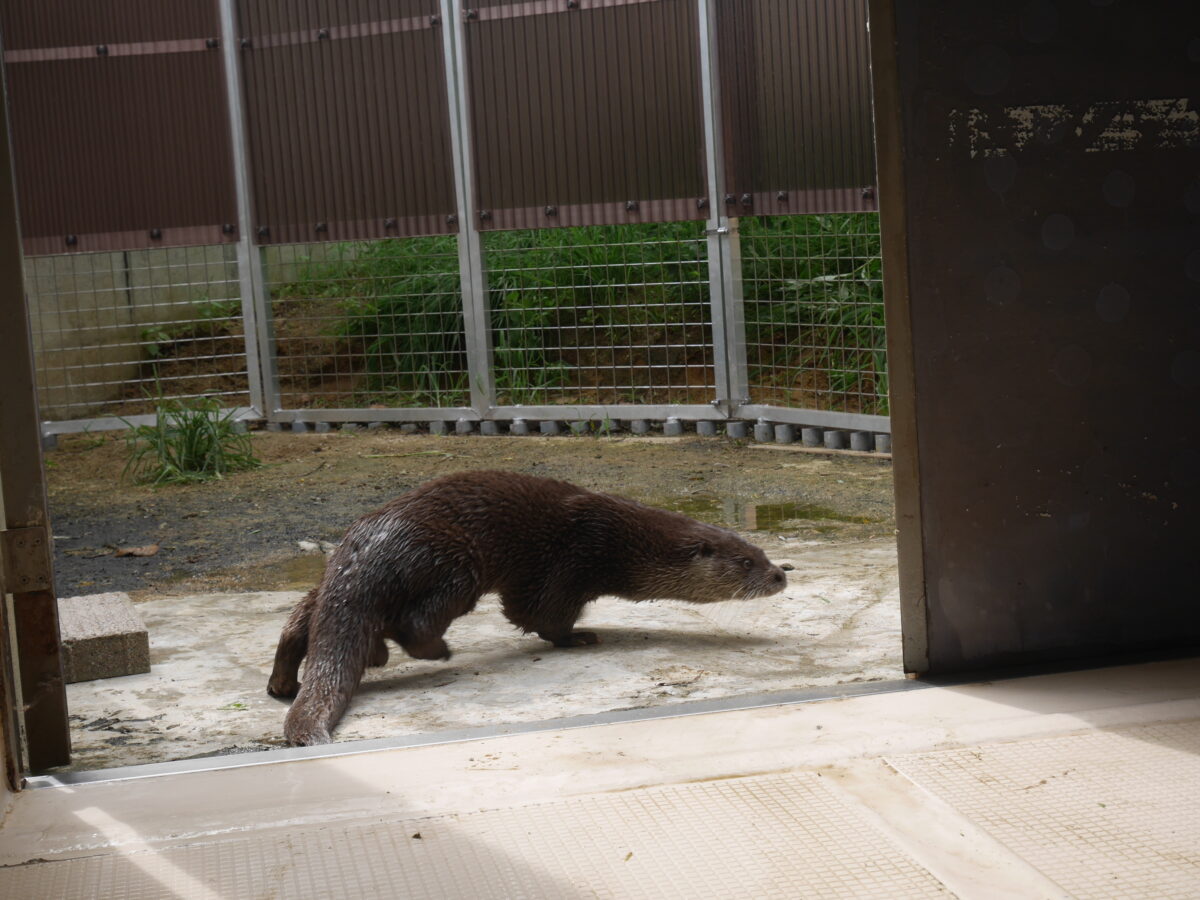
714 345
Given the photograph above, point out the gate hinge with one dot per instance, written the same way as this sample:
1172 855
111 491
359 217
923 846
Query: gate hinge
24 560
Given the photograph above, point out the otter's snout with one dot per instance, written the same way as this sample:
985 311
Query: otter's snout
774 581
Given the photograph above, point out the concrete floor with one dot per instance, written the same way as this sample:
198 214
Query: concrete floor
1082 784
837 622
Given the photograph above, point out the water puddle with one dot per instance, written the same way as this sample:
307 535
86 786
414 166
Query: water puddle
733 513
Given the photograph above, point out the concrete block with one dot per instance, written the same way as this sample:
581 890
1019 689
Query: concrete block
639 426
736 430
862 440
299 427
410 428
550 426
763 432
376 426
464 426
835 440
438 427
489 427
883 443
323 427
812 437
579 427
102 637
785 434
706 428
350 427
672 428
519 426
274 426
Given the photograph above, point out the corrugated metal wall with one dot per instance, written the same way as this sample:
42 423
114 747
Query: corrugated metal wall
796 104
120 125
586 114
581 112
347 119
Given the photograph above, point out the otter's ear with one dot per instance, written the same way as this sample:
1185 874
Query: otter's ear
700 548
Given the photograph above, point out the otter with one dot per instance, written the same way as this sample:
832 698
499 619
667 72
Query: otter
405 571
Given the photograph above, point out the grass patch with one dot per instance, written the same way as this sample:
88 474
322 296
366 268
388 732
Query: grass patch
190 441
816 285
559 296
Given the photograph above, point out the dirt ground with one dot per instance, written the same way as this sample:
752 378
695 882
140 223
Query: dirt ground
238 533
230 563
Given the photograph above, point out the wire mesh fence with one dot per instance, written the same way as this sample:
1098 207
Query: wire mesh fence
601 315
590 316
367 169
815 336
114 331
368 323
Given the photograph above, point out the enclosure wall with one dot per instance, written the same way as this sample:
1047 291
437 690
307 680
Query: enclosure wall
1042 245
366 191
111 102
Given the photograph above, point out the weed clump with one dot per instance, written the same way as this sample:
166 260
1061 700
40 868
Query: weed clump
189 441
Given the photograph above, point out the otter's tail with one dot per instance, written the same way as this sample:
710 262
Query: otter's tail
340 639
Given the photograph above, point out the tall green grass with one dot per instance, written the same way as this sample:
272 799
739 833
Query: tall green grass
400 307
820 277
195 440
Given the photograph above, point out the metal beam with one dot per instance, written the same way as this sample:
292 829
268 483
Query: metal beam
889 164
256 308
472 270
30 605
724 247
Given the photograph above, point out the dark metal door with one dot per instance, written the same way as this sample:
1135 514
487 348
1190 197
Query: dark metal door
1040 196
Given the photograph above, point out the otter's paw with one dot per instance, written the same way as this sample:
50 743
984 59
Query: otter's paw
379 654
283 687
434 648
575 639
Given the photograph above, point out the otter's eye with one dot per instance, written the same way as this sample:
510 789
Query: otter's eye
747 564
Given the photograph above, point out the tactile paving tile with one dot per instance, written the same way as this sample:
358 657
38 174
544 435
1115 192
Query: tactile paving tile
1105 814
773 836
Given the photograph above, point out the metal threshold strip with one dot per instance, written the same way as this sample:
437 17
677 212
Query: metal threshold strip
347 748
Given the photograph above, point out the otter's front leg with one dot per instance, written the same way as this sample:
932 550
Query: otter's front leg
550 617
570 638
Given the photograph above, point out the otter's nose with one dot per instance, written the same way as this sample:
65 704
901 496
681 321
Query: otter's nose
779 578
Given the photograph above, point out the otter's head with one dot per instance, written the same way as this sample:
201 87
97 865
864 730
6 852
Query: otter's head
711 564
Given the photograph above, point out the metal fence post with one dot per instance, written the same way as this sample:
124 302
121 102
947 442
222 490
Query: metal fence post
256 308
472 271
724 246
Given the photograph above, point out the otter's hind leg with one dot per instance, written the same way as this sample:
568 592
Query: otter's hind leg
421 628
424 639
293 645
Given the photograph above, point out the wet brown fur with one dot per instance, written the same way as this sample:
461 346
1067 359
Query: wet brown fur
407 570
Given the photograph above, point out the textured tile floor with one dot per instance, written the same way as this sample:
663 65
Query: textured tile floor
1082 784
